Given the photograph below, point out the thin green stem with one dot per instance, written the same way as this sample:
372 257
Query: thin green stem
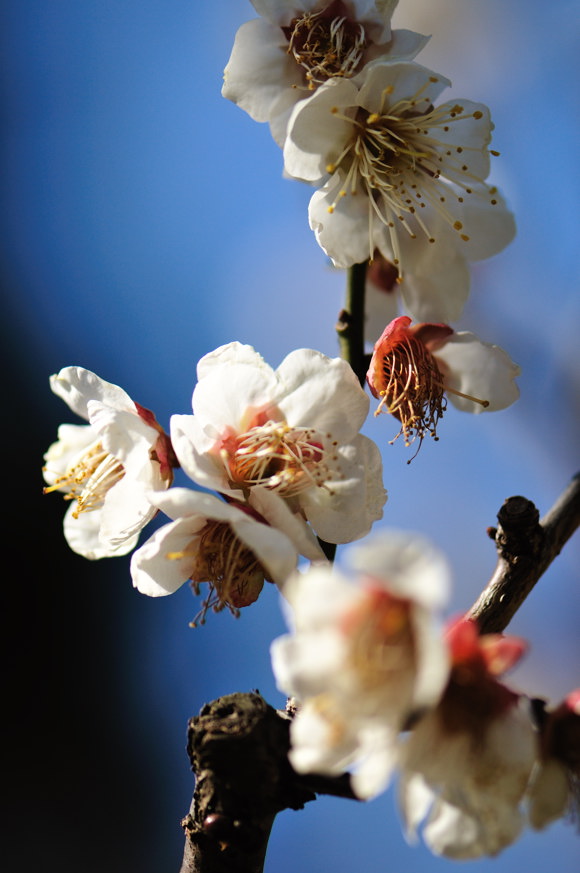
351 321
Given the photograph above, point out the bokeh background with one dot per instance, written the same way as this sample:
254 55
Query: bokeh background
145 221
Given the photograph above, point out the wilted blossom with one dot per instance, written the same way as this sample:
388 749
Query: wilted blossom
365 654
105 468
467 762
413 370
555 785
233 547
297 45
294 431
398 174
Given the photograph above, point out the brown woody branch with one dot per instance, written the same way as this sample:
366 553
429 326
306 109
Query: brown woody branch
526 547
238 747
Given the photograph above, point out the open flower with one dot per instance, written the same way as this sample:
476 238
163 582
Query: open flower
233 547
399 175
364 656
466 763
554 789
297 45
107 467
293 431
414 369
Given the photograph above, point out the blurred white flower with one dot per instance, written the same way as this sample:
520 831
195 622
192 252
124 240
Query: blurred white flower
106 467
363 657
399 175
466 763
293 430
283 56
554 789
414 369
233 547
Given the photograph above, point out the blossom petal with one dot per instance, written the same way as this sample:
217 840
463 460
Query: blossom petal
321 392
259 68
152 571
76 386
480 370
317 130
83 536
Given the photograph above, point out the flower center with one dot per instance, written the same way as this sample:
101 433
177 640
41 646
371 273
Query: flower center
410 386
382 650
398 156
89 478
282 458
220 558
326 46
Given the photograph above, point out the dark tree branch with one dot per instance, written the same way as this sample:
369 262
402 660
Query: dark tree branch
526 547
238 747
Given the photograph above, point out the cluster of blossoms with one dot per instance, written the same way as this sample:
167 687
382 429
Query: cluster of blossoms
401 184
281 448
377 687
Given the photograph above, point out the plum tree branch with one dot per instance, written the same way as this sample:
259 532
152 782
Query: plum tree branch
526 547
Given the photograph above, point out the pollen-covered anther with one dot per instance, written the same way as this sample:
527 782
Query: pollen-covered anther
410 387
88 478
220 558
284 459
326 46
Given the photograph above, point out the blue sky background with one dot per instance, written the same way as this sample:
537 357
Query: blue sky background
145 221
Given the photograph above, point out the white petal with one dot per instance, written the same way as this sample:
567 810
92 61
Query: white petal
323 393
271 547
346 509
76 386
193 446
83 536
410 566
341 223
405 80
152 571
479 369
381 307
259 69
435 287
549 793
123 434
126 511
228 386
317 130
278 515
487 222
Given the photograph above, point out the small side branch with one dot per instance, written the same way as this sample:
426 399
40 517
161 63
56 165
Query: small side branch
526 547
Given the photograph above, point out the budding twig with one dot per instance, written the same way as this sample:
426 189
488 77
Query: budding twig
526 547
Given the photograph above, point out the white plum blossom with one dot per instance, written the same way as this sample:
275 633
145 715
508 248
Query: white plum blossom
233 547
105 468
398 174
365 655
466 763
294 431
296 45
414 369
